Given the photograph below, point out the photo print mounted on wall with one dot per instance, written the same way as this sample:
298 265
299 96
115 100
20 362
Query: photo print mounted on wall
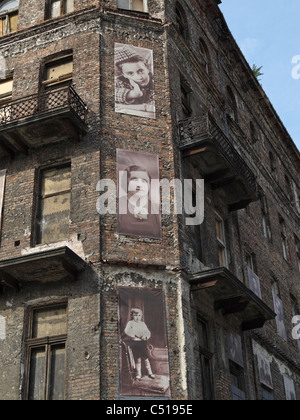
143 351
138 194
134 81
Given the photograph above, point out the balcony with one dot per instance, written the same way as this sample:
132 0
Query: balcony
232 297
44 266
41 119
209 150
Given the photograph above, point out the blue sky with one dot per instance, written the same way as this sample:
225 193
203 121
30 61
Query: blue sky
268 33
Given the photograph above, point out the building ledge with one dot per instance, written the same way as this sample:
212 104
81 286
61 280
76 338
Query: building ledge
231 296
44 266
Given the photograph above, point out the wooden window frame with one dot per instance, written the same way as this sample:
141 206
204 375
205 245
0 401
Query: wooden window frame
66 78
145 7
38 198
6 97
221 241
206 356
62 9
47 342
6 15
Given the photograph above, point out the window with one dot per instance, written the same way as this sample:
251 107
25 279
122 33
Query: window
297 242
278 309
46 350
135 5
6 87
181 20
284 239
231 105
267 395
205 361
58 8
254 133
185 91
204 55
222 250
237 382
53 217
289 189
273 165
266 223
58 71
8 16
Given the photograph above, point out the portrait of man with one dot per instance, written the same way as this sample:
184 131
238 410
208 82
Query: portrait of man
138 194
134 81
143 351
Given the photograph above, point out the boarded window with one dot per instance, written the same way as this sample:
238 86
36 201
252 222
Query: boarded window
6 87
54 205
137 5
9 23
47 347
59 71
60 7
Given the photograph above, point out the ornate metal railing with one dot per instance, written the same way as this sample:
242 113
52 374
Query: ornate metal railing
196 130
35 105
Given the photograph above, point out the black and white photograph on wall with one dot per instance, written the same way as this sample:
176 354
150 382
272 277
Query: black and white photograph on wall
289 388
264 369
278 308
143 345
134 81
235 349
138 210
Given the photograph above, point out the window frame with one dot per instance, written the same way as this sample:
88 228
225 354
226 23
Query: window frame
62 9
145 7
232 106
48 343
6 15
185 96
206 360
57 61
221 241
6 97
284 239
38 198
238 389
181 20
204 55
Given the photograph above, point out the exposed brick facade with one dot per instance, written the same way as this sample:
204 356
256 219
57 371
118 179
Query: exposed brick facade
181 263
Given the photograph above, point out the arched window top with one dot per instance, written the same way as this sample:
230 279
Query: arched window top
181 20
7 5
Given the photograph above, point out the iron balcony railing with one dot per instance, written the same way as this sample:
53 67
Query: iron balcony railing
40 104
193 131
